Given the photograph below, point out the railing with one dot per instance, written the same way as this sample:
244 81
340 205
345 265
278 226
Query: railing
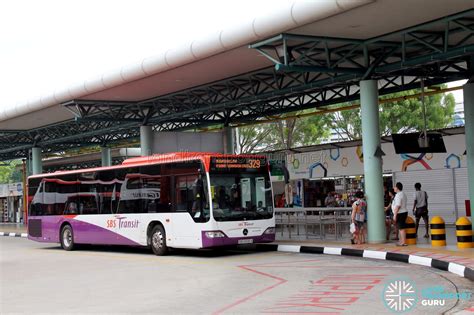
315 222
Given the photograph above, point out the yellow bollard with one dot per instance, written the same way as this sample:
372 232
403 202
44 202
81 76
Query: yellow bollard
438 232
464 233
411 231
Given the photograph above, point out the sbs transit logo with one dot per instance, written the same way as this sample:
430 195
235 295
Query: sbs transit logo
399 296
122 223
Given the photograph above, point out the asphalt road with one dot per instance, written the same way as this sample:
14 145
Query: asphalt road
42 278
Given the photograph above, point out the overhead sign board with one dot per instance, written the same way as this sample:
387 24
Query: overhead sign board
237 163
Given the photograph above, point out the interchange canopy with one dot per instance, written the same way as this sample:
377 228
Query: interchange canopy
317 63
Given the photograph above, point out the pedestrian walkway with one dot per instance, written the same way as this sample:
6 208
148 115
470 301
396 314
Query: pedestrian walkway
12 228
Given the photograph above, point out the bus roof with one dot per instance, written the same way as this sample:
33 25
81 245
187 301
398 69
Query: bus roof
204 157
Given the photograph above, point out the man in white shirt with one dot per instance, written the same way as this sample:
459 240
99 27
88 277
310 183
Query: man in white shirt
420 207
400 212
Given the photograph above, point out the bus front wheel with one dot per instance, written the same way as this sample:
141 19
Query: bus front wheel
158 240
67 238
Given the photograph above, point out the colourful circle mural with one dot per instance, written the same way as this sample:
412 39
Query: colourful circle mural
296 163
334 154
453 161
344 162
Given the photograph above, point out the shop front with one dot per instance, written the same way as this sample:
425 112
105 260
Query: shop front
334 175
11 203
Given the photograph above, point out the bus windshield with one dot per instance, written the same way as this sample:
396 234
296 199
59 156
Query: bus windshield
241 193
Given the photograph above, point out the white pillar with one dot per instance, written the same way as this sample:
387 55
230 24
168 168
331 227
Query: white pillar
37 164
229 142
105 156
146 140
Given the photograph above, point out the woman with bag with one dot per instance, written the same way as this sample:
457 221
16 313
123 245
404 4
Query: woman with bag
389 217
359 208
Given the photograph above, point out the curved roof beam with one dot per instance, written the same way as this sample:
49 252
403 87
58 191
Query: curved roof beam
294 14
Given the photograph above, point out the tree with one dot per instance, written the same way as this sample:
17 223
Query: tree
284 134
251 139
9 173
400 116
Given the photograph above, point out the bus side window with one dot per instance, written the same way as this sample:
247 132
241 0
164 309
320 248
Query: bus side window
183 193
35 209
71 207
49 198
108 192
130 200
66 194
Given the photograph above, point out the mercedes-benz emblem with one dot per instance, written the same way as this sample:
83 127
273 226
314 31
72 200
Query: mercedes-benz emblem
245 231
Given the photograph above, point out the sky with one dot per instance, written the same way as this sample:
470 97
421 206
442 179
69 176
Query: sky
51 44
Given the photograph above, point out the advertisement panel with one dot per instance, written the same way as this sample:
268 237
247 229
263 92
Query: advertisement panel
350 161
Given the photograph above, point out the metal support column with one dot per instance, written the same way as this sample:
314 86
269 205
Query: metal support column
468 91
372 160
146 140
229 140
105 156
37 164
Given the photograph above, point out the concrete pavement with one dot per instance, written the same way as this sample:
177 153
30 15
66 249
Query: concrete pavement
42 278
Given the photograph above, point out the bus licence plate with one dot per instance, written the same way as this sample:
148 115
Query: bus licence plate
246 241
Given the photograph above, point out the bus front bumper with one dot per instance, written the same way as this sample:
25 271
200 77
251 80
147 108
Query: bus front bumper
218 238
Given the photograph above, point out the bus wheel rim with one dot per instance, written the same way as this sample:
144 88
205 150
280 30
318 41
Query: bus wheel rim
67 237
157 240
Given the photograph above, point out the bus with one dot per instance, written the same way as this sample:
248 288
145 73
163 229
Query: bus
175 200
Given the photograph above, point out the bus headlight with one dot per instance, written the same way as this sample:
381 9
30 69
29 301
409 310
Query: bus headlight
214 234
269 231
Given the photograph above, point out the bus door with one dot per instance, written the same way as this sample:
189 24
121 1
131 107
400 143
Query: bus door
188 207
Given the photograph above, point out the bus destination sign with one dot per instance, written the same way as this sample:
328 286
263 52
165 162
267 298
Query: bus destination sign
229 163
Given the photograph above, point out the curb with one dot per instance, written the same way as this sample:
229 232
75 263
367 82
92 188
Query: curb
457 269
12 234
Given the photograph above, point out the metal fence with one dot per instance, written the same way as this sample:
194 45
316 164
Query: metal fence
311 223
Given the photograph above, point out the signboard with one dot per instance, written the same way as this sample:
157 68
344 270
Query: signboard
350 161
226 164
14 189
276 167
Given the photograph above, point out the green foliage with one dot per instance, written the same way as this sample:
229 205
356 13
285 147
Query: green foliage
285 134
400 116
9 173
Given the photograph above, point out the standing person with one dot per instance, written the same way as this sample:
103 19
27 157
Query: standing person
420 207
359 210
330 200
389 216
400 212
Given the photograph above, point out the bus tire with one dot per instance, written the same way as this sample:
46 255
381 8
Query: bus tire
67 238
158 240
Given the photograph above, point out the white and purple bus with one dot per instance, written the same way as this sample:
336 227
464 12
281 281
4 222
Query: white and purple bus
176 200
